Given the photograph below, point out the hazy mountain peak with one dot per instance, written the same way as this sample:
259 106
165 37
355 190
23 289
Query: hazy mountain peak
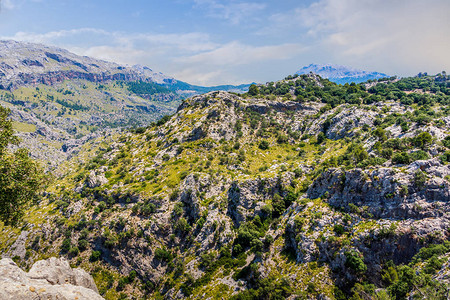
340 74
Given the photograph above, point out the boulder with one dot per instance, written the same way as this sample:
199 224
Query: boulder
47 279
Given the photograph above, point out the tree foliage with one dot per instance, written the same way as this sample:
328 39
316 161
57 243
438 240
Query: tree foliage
21 179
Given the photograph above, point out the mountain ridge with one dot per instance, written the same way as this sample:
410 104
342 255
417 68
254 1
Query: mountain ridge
25 63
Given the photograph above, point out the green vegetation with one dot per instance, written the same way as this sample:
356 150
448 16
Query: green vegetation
21 179
305 89
147 88
216 197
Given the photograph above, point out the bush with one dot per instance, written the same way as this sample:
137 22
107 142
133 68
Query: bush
95 255
355 262
121 283
66 244
74 251
419 179
422 140
445 158
174 195
163 120
321 137
82 244
387 153
446 141
401 158
182 226
163 255
419 155
253 90
264 145
282 139
338 229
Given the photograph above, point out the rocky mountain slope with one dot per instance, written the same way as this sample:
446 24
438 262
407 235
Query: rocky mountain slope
27 63
341 74
297 189
60 100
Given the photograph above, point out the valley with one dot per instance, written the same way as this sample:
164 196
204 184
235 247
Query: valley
299 188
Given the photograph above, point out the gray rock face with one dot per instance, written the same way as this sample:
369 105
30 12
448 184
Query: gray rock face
47 279
96 178
247 198
388 193
19 246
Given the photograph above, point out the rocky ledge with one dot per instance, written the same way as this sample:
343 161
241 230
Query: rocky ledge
47 279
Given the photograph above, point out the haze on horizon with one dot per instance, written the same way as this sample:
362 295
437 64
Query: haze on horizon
209 42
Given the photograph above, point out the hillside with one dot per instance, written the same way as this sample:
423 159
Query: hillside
60 100
341 74
300 188
24 63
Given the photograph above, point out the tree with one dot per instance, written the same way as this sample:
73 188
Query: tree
21 179
263 145
253 90
423 139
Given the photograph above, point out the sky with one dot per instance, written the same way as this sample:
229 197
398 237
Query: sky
211 42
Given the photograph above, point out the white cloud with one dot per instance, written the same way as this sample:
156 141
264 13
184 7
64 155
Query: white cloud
397 36
191 57
232 11
234 63
8 4
53 36
89 41
15 4
236 53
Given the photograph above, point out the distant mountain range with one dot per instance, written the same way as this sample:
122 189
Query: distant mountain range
24 63
340 74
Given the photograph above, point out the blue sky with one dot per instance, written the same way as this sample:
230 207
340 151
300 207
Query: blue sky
212 42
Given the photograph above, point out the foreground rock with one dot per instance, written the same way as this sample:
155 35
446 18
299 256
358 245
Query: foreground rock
48 279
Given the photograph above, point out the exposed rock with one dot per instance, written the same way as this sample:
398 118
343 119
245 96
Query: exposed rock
47 279
18 249
96 178
387 193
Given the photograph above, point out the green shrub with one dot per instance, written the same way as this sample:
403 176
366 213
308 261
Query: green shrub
263 145
445 158
339 229
182 226
74 251
282 139
419 179
387 153
355 262
163 255
419 155
422 140
401 158
95 256
321 137
446 141
83 244
66 244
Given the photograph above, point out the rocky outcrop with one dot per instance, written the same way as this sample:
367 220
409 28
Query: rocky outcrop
48 279
96 178
386 192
